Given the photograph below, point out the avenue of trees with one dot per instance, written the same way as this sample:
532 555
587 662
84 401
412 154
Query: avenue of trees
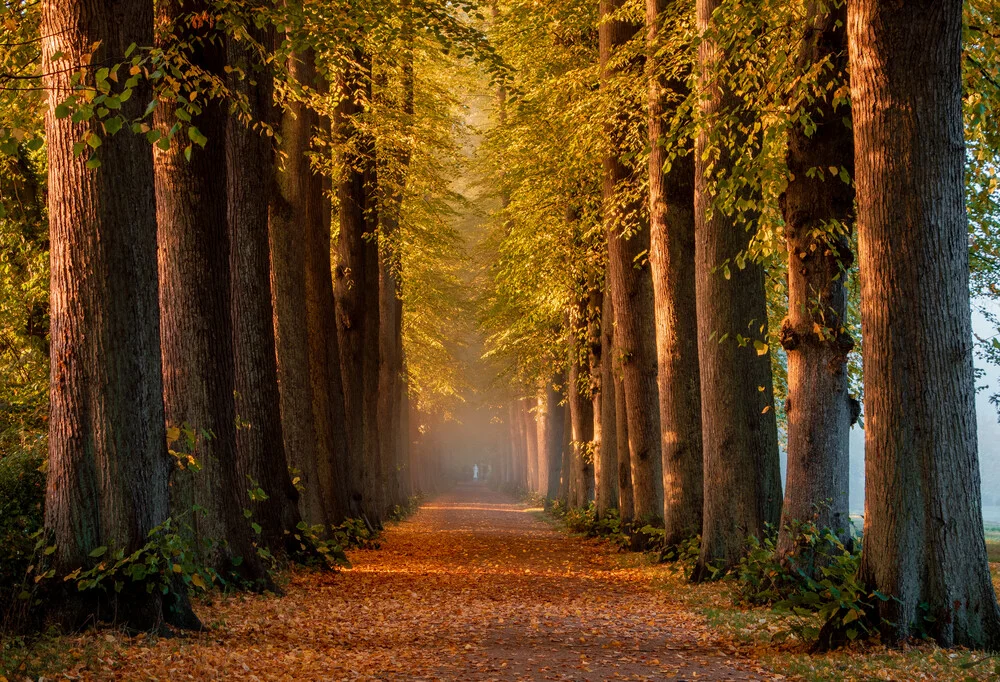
713 211
228 235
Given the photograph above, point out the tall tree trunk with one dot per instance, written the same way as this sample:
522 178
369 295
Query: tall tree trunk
196 334
109 471
818 212
631 286
740 441
671 257
391 371
924 541
289 217
606 462
329 415
626 506
260 446
581 406
352 279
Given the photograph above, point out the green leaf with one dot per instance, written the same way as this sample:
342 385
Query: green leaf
195 135
112 125
98 552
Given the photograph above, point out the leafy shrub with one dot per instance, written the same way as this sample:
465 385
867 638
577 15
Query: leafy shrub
815 587
22 496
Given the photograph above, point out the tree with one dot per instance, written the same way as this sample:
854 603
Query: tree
392 386
739 432
671 258
260 447
581 405
605 414
357 254
629 280
293 202
818 211
924 541
109 470
196 334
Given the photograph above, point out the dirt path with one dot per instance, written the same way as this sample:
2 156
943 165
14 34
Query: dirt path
472 587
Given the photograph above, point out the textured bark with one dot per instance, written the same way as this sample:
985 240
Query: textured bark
631 288
742 474
581 406
196 333
606 462
288 221
671 257
818 212
923 522
626 507
260 446
109 470
356 300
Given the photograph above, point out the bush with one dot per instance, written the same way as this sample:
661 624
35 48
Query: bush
815 587
22 496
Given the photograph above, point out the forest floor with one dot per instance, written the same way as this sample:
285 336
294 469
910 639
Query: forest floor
477 587
472 587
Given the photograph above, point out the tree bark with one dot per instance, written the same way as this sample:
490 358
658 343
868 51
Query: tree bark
289 217
626 506
196 334
606 463
356 274
260 446
109 470
741 469
581 406
631 287
924 542
329 415
671 256
819 212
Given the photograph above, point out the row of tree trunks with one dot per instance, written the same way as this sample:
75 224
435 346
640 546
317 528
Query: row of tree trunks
352 278
259 441
630 286
109 471
392 381
196 334
292 204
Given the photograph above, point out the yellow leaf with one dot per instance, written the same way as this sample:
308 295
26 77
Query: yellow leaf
198 581
178 568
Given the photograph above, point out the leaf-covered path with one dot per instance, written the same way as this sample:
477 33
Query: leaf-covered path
472 587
